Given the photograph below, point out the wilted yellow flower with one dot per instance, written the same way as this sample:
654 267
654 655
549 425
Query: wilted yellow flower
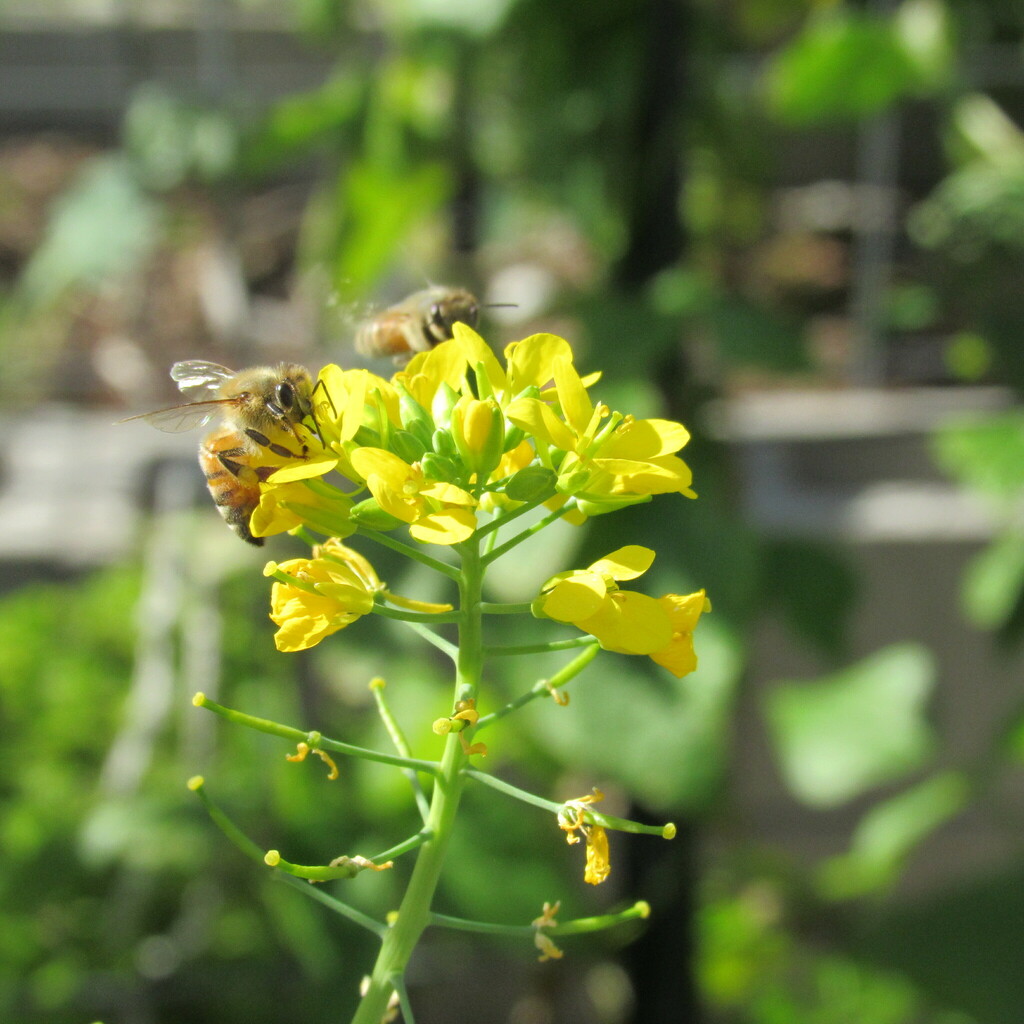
328 593
683 612
571 819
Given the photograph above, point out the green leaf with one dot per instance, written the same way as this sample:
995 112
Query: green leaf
844 65
856 729
889 832
987 455
100 228
994 581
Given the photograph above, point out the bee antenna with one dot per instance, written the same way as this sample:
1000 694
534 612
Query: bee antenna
500 305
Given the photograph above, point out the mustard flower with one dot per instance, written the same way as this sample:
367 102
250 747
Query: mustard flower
437 512
590 599
326 593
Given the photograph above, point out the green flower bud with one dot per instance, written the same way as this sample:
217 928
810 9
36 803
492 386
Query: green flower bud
437 467
531 484
407 446
371 516
445 399
415 418
444 444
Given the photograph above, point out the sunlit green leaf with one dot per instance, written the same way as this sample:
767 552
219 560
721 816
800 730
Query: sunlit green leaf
843 65
987 454
99 228
846 733
890 831
994 581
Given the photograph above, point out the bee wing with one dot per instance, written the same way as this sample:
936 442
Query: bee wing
196 376
179 418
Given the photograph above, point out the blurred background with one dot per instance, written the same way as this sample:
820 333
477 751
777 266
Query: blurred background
797 226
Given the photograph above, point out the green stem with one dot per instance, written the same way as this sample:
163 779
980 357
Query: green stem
444 646
553 645
577 926
410 552
544 687
414 912
400 742
250 849
500 521
502 549
425 617
504 608
313 739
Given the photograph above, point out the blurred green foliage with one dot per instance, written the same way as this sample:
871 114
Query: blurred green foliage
635 146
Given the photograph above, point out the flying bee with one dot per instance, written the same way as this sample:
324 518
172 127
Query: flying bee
259 410
417 323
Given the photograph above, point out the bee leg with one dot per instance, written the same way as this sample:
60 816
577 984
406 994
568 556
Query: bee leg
278 449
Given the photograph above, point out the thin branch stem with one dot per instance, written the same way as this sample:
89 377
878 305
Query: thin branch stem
577 926
504 608
314 739
410 552
544 687
250 849
401 744
503 651
501 549
444 646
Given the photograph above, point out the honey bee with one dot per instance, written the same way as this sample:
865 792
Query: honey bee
259 409
417 323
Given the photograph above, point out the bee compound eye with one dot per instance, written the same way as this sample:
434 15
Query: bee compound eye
285 395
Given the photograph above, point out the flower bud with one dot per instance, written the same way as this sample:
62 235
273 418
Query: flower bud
531 484
414 417
437 467
407 446
478 428
444 401
369 514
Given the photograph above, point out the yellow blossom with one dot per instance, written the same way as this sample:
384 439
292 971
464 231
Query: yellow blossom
437 512
328 593
284 506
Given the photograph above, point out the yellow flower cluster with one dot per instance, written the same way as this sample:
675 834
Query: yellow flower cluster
456 432
623 620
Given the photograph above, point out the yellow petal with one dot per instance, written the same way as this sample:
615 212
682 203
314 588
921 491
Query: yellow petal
645 439
539 420
578 597
576 406
448 493
630 623
626 563
452 526
666 474
477 351
389 467
530 360
304 470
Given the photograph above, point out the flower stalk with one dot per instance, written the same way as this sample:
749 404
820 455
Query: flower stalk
445 455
